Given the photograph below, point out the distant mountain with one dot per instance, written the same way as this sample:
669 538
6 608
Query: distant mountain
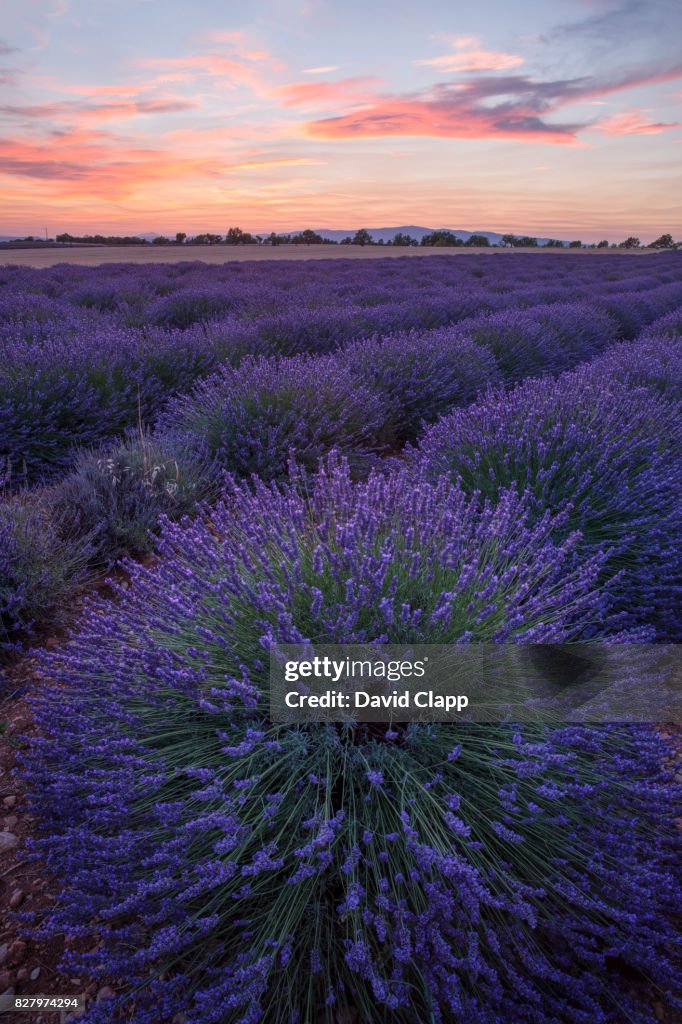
414 230
378 234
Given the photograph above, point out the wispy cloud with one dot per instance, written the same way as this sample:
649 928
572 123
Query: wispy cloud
328 94
468 55
101 164
74 111
326 70
228 71
91 163
485 107
634 122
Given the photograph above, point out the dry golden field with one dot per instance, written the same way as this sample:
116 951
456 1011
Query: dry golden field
94 255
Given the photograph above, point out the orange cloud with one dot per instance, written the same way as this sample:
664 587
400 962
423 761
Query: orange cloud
486 107
456 111
468 55
634 123
257 165
94 164
82 163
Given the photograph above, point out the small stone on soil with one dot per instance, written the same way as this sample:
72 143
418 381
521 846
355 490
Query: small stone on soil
7 841
17 952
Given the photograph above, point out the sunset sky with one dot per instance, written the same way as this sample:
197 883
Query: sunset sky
559 117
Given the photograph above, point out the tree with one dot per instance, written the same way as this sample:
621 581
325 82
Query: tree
509 240
402 239
180 238
442 239
576 244
629 243
664 242
362 237
527 242
603 244
235 236
161 240
347 240
307 237
477 240
553 243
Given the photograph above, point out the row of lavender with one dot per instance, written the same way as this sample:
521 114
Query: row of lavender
367 400
234 872
87 353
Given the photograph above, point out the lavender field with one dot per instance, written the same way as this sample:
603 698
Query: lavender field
402 451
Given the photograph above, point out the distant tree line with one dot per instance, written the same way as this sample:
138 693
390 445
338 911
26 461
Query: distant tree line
235 236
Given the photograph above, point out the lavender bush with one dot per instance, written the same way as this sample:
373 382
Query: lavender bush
42 566
609 455
651 361
669 326
236 871
419 376
634 311
79 361
114 496
251 419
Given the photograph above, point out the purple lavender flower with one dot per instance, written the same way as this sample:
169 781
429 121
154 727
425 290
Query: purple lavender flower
608 456
197 848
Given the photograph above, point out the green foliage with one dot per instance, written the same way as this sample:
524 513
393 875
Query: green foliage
42 565
113 498
235 236
403 239
442 239
362 237
664 242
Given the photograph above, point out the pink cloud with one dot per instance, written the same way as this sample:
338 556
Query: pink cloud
634 123
325 94
468 55
459 110
78 112
100 164
484 107
82 162
231 71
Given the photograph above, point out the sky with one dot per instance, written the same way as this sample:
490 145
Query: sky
540 117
